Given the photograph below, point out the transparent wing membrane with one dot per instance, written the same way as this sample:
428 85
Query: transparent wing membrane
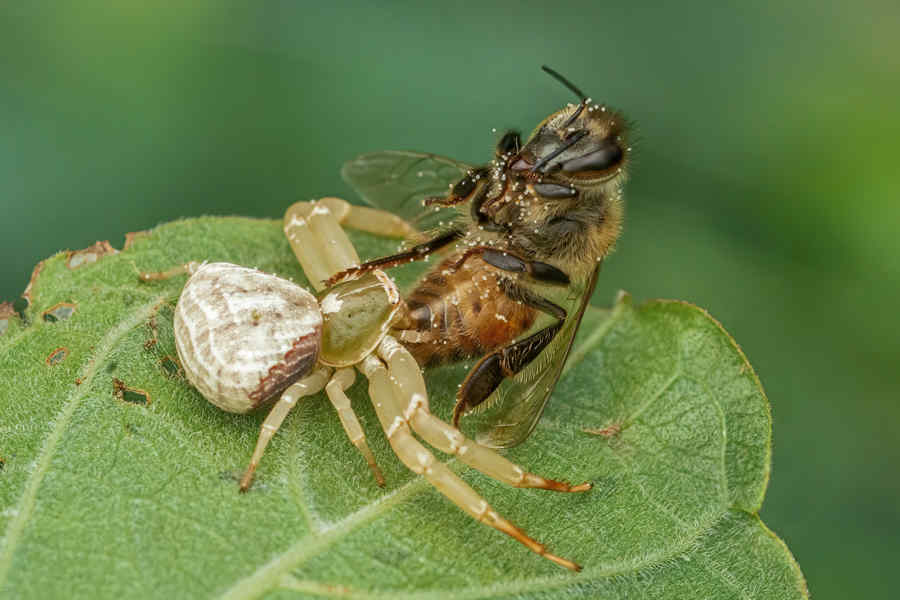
399 182
514 409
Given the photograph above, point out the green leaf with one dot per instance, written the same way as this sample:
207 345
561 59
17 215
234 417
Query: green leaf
119 480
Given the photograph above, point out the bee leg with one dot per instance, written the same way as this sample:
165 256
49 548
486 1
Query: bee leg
342 379
412 397
505 261
422 462
417 252
309 385
491 370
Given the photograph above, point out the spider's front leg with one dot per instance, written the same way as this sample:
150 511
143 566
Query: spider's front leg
394 420
321 245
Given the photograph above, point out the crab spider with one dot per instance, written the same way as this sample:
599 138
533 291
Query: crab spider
245 337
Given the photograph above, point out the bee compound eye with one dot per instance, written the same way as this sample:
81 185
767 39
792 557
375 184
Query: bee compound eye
554 190
607 156
509 143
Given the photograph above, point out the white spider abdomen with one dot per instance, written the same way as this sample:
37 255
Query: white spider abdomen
243 335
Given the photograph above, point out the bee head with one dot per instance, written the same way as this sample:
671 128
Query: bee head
582 143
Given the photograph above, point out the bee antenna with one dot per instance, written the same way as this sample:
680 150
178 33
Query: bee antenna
565 82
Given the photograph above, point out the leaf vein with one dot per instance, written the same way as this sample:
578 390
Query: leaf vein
27 501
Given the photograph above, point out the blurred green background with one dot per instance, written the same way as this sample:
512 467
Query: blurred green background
765 187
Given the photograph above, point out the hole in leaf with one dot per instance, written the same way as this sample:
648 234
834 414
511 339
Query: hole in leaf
89 255
57 356
170 366
20 304
130 394
59 312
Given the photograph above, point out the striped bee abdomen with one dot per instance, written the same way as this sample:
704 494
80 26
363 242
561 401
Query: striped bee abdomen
455 314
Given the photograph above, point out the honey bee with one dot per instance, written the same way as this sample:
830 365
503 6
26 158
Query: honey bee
528 233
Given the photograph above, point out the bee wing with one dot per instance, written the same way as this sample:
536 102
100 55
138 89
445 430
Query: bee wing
516 406
399 182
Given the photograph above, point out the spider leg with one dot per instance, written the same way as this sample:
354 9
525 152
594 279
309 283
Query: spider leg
411 396
368 219
340 381
185 269
421 461
318 241
309 385
321 245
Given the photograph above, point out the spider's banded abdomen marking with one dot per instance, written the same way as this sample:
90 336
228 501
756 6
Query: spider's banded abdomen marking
243 335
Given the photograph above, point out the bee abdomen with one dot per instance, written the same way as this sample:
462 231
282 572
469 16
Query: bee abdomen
461 315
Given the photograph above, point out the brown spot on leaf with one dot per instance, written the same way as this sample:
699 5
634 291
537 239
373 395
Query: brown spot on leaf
57 356
79 380
154 333
607 432
91 254
59 312
7 312
34 276
130 394
132 236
